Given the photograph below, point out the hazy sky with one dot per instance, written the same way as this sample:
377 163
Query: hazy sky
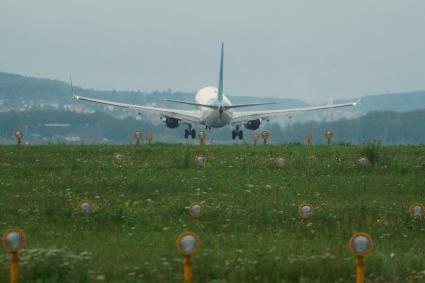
308 50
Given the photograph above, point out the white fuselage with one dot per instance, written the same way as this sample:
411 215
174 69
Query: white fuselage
212 117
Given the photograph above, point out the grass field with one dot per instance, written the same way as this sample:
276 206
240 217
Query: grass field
250 232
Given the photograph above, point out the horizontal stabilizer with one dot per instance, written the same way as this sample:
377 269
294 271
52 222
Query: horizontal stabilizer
247 105
192 103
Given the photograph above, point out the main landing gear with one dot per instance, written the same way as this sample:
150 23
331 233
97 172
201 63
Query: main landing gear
189 132
237 133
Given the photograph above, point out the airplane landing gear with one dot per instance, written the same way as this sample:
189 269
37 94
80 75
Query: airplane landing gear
237 133
190 132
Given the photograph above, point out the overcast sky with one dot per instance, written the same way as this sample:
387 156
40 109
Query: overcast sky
308 50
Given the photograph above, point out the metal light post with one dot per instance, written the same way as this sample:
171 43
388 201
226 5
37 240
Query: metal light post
19 136
14 240
149 138
202 136
265 135
255 138
360 245
328 135
138 135
188 244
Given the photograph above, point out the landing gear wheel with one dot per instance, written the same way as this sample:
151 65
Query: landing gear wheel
186 133
233 135
240 134
193 133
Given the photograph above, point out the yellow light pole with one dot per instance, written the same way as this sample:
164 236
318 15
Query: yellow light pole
202 136
417 211
305 211
19 136
255 138
188 244
265 135
196 210
360 245
138 135
14 239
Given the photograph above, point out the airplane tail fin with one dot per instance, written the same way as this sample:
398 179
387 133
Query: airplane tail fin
220 81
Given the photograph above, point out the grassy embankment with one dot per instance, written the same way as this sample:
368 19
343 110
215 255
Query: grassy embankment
250 231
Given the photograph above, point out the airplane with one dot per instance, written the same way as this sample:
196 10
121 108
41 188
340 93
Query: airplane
214 110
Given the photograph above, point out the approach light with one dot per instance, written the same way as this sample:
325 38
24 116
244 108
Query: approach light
328 135
360 245
255 138
149 138
85 207
200 160
119 159
363 161
279 162
196 210
305 211
417 211
202 136
188 244
14 240
265 135
138 135
19 136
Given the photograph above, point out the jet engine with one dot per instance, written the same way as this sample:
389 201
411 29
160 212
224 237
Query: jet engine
171 122
253 124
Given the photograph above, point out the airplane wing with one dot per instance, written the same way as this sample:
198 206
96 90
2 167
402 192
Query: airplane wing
245 116
185 116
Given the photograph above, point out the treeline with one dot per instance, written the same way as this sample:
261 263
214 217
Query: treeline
389 127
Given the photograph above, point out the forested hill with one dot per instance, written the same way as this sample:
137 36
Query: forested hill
27 93
21 93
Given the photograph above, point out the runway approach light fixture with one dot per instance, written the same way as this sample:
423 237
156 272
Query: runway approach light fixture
149 138
200 160
265 135
360 245
85 207
188 244
417 211
255 138
202 136
119 159
328 135
19 136
363 161
196 210
279 162
14 240
138 136
308 138
305 211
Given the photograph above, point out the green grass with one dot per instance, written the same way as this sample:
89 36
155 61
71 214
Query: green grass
250 232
